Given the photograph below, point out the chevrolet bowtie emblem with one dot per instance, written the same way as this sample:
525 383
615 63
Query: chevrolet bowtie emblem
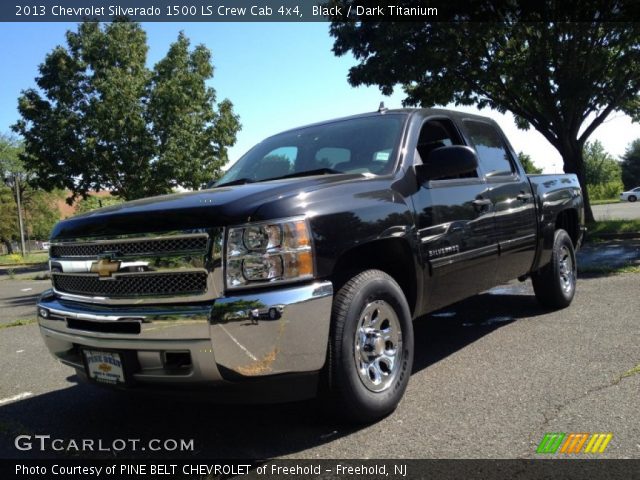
105 267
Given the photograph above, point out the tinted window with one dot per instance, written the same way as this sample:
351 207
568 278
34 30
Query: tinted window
492 151
331 156
359 145
435 134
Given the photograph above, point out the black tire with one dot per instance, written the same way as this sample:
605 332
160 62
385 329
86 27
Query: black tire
361 351
555 283
632 198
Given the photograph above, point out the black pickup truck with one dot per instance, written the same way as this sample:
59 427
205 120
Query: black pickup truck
301 270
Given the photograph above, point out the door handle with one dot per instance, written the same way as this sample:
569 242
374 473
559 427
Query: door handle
481 202
524 197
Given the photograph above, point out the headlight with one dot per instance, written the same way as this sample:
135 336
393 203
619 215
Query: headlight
260 253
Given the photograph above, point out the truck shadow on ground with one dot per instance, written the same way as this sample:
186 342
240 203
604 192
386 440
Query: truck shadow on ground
450 329
231 431
23 300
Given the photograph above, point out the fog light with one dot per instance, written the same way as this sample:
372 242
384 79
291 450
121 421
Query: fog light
43 312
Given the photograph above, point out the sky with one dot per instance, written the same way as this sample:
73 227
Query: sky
278 76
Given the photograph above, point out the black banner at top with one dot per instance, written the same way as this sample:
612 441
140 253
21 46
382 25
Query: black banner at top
319 11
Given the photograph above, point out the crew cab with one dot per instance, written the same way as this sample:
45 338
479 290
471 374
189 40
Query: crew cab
300 271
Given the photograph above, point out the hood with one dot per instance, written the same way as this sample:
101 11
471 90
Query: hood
194 210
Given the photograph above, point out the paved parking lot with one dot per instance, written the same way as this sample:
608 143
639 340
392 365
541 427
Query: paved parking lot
492 375
615 211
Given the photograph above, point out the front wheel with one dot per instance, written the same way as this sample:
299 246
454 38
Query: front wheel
371 347
632 198
555 283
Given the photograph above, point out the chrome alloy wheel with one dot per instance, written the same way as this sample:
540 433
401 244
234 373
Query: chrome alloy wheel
378 346
566 269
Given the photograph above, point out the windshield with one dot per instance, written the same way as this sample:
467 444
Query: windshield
360 145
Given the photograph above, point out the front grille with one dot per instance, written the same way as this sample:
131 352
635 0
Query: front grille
132 285
139 247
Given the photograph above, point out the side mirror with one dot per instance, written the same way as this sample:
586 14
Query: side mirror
447 162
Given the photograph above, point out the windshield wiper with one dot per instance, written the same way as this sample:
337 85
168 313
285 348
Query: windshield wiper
237 181
307 173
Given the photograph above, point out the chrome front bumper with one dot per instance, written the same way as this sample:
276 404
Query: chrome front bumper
255 335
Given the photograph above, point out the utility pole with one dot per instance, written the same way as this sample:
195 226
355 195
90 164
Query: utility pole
17 185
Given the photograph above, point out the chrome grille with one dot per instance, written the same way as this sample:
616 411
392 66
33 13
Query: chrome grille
151 268
132 285
137 247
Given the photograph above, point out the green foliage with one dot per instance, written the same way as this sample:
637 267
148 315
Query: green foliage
93 202
602 172
41 214
11 170
39 208
600 166
18 323
8 217
631 165
527 164
102 120
562 78
605 191
10 150
614 226
14 258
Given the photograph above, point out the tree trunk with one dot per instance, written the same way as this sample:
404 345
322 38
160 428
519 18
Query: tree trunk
574 163
7 243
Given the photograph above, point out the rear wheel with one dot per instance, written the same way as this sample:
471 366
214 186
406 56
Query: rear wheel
371 347
555 284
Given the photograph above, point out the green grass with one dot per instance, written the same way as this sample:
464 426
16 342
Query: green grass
18 323
605 201
614 226
17 259
635 370
610 270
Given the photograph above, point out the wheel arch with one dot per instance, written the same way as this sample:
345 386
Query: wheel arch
393 256
567 220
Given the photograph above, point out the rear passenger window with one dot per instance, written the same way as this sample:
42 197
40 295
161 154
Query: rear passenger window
493 154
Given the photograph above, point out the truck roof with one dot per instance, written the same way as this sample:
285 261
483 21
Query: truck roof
423 112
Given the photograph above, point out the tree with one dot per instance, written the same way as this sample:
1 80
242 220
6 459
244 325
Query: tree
42 213
8 218
15 176
563 78
527 163
102 120
600 166
93 202
602 172
631 165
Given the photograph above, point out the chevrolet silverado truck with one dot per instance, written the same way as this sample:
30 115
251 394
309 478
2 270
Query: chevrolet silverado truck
300 271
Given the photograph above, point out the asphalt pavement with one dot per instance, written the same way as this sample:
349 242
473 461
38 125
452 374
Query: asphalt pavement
18 298
617 211
491 376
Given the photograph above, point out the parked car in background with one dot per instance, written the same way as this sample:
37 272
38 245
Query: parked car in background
630 195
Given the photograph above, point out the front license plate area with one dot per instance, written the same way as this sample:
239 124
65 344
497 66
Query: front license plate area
105 367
